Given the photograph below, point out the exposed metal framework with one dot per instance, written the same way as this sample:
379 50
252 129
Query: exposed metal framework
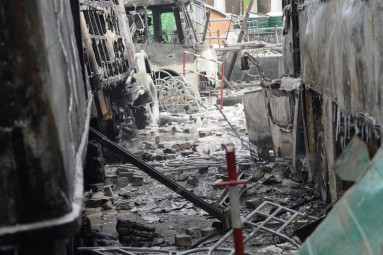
275 222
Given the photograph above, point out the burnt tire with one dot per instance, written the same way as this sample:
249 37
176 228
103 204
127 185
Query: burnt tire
322 173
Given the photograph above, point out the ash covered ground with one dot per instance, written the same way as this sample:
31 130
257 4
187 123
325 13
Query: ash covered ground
132 209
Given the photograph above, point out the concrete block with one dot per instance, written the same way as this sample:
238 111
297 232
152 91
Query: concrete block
208 231
158 139
128 175
186 145
110 179
95 202
169 150
183 240
171 156
107 206
122 182
253 203
123 206
137 180
194 232
180 177
176 147
108 191
160 157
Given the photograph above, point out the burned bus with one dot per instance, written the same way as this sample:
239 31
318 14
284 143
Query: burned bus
65 66
164 29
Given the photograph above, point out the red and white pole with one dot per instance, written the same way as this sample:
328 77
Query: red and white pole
184 63
235 204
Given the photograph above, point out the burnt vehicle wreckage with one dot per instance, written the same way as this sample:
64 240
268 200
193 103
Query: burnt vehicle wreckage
82 77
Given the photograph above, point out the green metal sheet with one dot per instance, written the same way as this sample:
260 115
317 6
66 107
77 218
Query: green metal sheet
355 224
354 159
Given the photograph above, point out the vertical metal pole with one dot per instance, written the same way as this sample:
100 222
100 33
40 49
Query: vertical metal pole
240 37
206 25
234 201
184 63
222 83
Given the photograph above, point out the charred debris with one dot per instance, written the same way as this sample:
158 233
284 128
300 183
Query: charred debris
171 126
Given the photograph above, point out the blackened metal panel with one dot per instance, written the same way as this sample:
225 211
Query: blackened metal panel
42 117
341 43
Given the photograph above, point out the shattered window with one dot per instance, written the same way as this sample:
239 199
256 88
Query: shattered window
169 30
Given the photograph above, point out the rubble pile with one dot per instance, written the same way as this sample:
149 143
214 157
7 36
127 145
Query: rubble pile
187 148
135 234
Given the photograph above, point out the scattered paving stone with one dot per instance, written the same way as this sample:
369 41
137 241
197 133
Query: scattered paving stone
176 147
193 181
147 156
137 180
122 170
186 145
290 183
169 150
180 177
128 175
158 139
148 146
204 133
160 157
134 234
108 191
95 202
194 232
281 201
183 240
186 153
161 146
110 179
176 129
253 203
107 206
257 176
122 182
171 156
126 195
208 231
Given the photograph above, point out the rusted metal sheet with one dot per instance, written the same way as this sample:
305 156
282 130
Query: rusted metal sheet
341 43
355 225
